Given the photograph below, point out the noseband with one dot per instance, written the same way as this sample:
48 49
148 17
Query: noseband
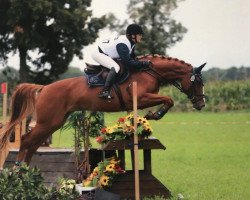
191 95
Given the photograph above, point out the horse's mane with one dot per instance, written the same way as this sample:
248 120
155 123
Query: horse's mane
163 57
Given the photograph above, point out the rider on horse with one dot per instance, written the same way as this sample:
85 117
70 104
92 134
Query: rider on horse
122 48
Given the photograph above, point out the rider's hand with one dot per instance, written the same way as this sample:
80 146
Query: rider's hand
146 63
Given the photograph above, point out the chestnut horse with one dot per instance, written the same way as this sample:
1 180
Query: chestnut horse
54 102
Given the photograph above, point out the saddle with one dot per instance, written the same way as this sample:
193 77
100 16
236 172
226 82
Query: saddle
97 74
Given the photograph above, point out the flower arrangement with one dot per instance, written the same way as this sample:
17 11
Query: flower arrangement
124 129
104 174
66 186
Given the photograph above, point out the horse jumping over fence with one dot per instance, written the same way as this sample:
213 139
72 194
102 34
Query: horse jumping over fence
54 102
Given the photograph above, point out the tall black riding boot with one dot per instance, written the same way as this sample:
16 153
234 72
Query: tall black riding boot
105 93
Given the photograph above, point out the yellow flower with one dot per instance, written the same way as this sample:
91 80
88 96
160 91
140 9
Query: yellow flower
112 129
145 122
130 116
132 129
96 169
116 126
109 131
139 119
110 167
128 123
125 126
86 183
104 180
113 161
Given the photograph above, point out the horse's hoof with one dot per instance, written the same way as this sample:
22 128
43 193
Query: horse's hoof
149 115
157 116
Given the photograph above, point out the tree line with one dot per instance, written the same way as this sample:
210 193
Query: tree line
56 31
232 73
224 90
214 74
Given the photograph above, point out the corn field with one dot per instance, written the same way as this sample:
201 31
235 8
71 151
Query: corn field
221 96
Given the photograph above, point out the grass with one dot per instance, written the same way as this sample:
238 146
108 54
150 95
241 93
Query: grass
207 155
208 159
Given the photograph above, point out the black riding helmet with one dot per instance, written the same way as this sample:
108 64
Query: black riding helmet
134 29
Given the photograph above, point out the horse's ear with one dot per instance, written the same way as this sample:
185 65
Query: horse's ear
198 69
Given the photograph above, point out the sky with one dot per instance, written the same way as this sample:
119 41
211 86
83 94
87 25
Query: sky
218 32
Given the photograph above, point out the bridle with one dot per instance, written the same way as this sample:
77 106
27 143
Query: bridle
191 95
195 81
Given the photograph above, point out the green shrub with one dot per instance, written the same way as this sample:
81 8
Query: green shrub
24 183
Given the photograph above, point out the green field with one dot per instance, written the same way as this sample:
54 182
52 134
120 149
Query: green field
207 155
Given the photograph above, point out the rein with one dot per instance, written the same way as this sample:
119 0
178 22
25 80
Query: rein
163 79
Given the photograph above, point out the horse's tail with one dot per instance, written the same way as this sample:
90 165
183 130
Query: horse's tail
22 104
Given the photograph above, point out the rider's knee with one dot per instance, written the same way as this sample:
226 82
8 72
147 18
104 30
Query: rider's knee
94 55
117 69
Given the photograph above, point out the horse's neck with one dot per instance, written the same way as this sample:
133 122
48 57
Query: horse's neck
172 68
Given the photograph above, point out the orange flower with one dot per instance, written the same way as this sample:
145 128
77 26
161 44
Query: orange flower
99 139
103 130
121 120
119 170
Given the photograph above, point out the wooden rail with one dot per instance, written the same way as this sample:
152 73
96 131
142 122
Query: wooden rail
19 130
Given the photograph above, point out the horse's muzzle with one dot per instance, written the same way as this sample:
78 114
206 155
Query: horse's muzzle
199 105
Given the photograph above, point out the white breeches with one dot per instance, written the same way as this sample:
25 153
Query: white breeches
105 60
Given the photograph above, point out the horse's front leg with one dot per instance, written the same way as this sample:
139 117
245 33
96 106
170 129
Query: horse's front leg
150 99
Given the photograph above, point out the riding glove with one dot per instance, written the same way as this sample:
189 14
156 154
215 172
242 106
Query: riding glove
146 63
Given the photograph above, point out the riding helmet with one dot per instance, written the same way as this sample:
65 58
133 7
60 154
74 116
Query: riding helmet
134 29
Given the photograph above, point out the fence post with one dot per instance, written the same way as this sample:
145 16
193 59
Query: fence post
136 157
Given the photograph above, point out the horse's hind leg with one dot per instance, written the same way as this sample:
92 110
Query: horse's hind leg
33 140
30 142
32 149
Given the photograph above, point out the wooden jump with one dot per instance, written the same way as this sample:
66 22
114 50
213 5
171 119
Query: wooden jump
19 130
56 163
125 184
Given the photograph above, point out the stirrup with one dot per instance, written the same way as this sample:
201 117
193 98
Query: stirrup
105 95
